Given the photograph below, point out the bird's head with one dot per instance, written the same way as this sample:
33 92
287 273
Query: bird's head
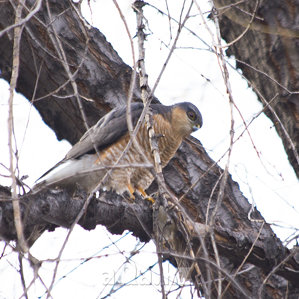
186 118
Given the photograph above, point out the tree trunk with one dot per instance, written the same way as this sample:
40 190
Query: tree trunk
269 58
102 78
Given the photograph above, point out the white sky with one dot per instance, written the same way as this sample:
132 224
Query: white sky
269 182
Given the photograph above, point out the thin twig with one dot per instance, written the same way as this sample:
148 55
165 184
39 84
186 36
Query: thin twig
20 257
274 269
138 7
13 83
131 88
217 258
63 59
21 22
181 25
246 257
223 181
246 29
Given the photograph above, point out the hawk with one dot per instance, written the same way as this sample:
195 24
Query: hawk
93 160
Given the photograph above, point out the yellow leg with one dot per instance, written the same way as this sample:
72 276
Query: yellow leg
143 193
131 191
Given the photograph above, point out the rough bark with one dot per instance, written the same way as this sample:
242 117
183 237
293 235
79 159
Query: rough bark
269 58
101 75
49 209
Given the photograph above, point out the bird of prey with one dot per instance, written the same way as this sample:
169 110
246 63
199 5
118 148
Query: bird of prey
100 150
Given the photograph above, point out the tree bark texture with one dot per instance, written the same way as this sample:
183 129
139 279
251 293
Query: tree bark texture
103 82
269 58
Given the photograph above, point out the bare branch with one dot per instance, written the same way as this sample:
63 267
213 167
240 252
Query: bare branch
13 83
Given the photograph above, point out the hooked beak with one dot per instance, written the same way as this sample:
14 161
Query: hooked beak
196 127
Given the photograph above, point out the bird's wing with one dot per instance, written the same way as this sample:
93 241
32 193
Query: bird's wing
105 132
109 129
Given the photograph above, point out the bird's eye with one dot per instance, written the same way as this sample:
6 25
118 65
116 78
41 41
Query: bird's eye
191 114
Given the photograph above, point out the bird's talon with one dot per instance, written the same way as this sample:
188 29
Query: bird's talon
149 198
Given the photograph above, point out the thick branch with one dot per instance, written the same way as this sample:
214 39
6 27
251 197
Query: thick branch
269 58
52 208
